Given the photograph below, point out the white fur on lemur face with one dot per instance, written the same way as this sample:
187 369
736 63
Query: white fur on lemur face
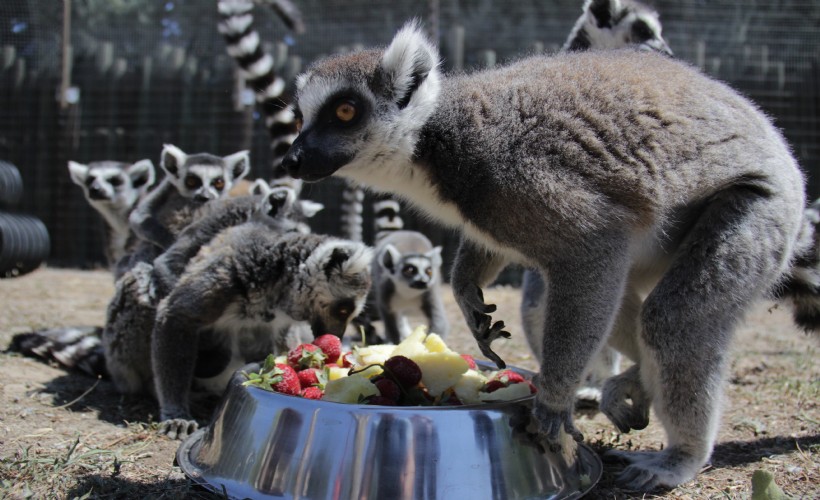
113 184
412 274
612 24
203 177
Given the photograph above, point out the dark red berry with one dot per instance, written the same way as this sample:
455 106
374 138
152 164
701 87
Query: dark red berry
381 401
404 371
493 385
388 388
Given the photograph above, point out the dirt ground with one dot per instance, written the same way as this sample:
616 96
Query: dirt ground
75 436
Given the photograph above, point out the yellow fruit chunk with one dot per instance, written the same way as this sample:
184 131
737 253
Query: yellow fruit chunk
468 386
336 372
512 391
413 345
372 354
349 389
434 343
440 370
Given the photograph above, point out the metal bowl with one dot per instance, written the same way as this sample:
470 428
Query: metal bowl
261 444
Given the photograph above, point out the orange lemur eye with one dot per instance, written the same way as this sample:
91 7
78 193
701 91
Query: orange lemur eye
345 111
218 183
192 182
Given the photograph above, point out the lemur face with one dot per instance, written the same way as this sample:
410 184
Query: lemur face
612 24
414 271
203 177
115 184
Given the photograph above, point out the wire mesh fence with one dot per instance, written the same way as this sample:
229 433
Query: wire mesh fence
139 73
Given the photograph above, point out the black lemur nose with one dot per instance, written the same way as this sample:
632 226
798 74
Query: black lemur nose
291 162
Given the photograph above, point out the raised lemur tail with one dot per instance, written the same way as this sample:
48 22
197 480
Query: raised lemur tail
387 219
73 348
802 286
260 69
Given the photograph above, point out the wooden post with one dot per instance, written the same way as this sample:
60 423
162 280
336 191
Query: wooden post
456 47
65 78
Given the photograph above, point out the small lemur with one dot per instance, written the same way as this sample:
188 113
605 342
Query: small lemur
190 181
604 24
614 24
615 174
406 276
113 189
274 207
238 301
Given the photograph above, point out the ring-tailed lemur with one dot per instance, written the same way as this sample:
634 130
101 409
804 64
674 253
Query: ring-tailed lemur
238 300
613 173
114 189
190 181
614 24
604 24
406 276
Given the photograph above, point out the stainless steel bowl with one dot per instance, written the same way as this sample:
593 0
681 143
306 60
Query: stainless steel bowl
261 444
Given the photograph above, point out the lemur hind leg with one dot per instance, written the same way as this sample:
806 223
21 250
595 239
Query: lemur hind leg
733 252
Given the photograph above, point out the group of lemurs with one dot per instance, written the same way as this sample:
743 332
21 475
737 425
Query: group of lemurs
651 205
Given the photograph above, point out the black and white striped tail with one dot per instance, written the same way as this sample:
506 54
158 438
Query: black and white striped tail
73 348
352 209
387 218
259 69
802 287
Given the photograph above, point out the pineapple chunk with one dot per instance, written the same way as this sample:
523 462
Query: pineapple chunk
349 389
336 372
468 386
440 370
374 354
512 391
434 343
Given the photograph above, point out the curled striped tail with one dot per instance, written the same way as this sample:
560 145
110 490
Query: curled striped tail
259 69
387 219
73 348
802 286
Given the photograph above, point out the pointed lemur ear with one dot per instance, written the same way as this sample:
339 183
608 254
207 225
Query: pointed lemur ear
142 173
78 172
604 11
239 163
408 61
171 159
389 258
260 186
336 260
435 255
310 208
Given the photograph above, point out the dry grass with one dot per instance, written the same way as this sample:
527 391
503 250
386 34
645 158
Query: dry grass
75 436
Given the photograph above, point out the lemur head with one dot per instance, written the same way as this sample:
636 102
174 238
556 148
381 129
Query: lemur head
614 24
412 272
111 184
203 176
335 282
279 204
361 110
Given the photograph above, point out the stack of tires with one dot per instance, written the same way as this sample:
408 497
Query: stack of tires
24 240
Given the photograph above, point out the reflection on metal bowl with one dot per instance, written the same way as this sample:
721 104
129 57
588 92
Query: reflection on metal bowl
261 444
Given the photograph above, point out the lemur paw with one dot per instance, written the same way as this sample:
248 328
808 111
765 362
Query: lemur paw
177 428
554 423
650 470
483 328
625 402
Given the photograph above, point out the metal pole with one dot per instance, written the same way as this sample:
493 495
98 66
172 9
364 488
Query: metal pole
65 80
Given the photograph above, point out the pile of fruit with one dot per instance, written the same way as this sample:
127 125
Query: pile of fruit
421 370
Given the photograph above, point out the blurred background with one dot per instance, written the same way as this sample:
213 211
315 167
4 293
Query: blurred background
90 80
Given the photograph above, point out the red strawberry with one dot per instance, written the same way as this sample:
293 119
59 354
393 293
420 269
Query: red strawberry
331 345
493 385
533 389
285 380
470 361
404 370
346 360
309 377
508 377
388 388
306 356
312 393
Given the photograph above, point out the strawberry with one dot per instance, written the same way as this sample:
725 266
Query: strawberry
312 393
404 371
470 361
345 360
285 380
508 377
493 385
306 356
309 377
331 345
533 389
388 388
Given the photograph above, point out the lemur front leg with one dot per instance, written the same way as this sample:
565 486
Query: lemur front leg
585 290
197 301
475 267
